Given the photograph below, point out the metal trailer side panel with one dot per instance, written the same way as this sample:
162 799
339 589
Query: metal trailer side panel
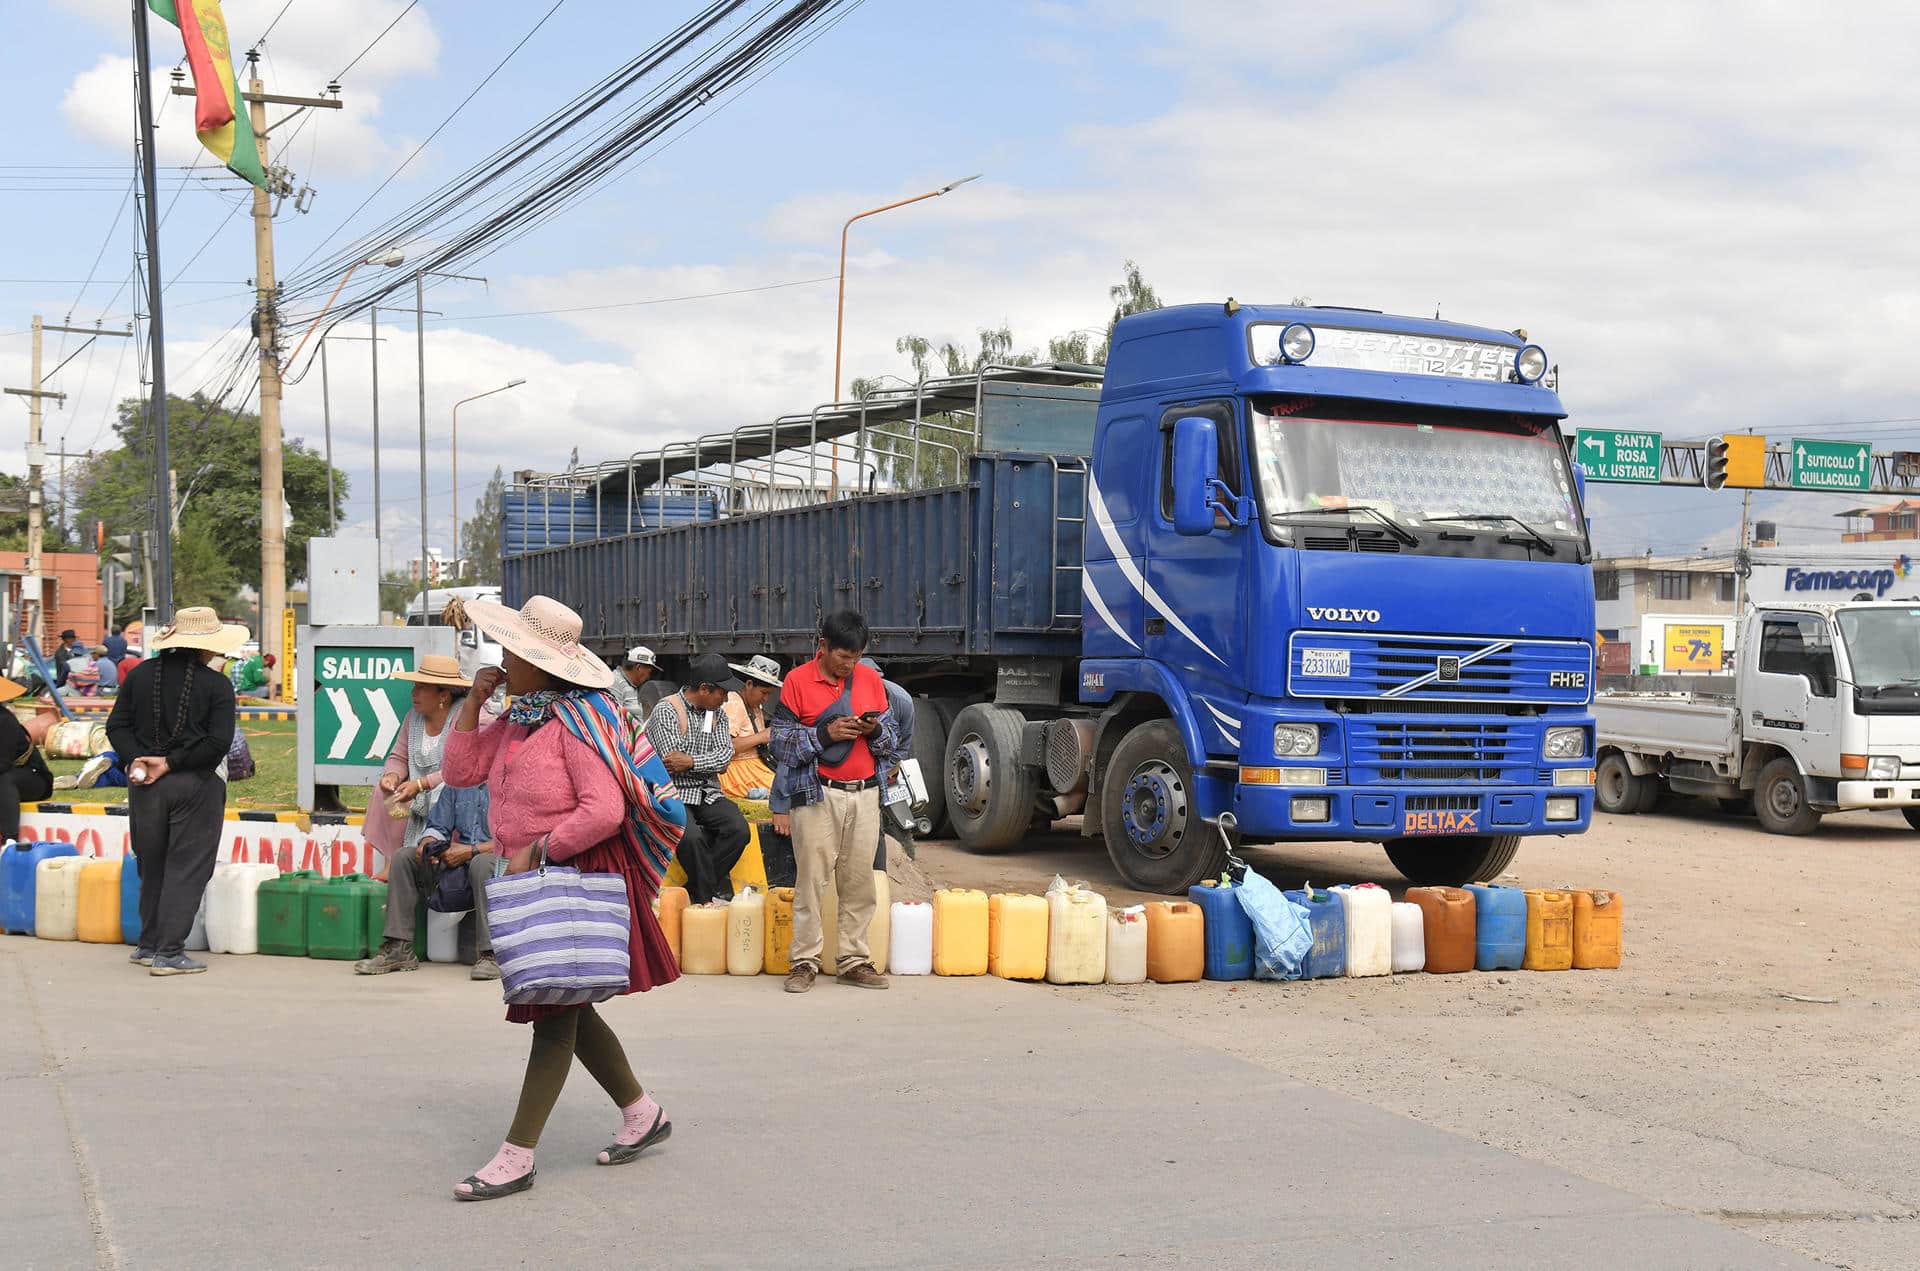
1705 731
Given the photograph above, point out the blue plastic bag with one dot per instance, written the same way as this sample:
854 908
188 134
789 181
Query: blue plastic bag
1281 936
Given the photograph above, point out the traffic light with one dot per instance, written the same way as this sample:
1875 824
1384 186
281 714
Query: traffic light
1738 460
126 547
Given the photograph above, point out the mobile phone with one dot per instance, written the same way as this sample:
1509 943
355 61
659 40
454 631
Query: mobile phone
870 716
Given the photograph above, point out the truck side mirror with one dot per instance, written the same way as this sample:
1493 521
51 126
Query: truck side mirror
1196 466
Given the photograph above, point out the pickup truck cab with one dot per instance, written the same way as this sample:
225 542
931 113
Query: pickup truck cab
1822 715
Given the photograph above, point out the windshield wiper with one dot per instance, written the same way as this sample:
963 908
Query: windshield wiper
1394 527
1527 531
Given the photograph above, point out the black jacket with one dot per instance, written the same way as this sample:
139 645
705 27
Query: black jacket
207 733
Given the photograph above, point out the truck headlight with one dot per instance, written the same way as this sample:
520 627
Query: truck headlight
1296 741
1296 342
1529 364
1565 743
1883 768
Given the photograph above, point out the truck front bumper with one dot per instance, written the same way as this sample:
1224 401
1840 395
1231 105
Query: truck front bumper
1899 793
1374 813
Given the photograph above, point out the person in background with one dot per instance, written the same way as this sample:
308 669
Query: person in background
749 776
457 840
24 775
115 644
173 723
690 735
64 652
634 673
83 674
831 732
411 779
565 783
250 675
107 669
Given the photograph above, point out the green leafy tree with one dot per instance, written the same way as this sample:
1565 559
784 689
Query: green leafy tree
1132 294
481 534
397 587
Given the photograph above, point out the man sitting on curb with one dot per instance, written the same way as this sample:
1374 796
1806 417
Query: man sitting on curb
450 866
691 736
629 687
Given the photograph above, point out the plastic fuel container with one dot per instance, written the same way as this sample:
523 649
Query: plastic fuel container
19 882
911 948
1076 936
960 932
880 930
1176 942
1549 930
130 903
283 913
1409 938
56 898
98 920
703 939
1596 929
443 935
1369 929
1500 927
1017 937
1229 949
1448 916
747 933
233 907
779 955
1127 945
197 941
1327 918
673 900
337 916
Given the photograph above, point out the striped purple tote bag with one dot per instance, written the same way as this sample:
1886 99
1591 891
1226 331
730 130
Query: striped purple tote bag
560 936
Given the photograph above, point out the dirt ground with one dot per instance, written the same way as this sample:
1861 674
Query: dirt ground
1689 1076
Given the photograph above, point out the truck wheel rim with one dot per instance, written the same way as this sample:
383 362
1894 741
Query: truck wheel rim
1613 783
1155 809
973 776
1784 799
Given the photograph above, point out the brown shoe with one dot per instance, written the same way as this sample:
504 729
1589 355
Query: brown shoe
800 979
862 977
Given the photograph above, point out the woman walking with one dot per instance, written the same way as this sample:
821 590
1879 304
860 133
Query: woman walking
570 776
172 726
24 775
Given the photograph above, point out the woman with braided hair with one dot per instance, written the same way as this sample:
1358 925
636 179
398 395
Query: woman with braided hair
172 726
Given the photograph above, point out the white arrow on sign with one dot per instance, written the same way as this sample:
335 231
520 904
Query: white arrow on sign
349 723
386 723
389 723
1595 442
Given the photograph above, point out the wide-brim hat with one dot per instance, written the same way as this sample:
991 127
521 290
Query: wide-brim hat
545 633
197 627
760 669
9 690
437 670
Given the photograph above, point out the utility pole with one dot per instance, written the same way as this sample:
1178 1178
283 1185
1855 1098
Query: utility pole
160 556
63 454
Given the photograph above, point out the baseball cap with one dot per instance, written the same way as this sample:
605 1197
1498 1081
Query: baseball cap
708 668
641 655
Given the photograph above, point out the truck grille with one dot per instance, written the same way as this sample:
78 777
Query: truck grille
1394 668
1442 802
1428 751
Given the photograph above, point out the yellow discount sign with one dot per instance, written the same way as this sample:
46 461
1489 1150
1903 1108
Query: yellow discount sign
1692 647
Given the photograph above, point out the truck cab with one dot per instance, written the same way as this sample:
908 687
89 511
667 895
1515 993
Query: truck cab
1336 582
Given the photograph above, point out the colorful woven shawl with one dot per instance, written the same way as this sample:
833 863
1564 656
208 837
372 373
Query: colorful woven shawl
655 816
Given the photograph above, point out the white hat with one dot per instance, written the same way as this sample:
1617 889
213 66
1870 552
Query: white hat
545 633
197 627
760 668
641 655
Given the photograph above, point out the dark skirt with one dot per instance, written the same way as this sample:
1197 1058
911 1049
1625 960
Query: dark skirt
652 957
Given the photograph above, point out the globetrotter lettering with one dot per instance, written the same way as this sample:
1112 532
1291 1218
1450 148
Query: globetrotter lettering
1437 822
1344 615
1854 580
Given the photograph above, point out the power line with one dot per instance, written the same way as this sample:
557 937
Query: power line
269 31
376 39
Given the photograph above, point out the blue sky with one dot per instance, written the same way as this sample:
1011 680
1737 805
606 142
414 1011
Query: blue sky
1695 210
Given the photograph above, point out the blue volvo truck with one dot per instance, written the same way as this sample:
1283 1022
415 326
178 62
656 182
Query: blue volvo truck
1325 569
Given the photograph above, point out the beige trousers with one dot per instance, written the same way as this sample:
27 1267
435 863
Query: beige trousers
833 844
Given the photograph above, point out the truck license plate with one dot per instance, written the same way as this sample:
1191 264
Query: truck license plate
1326 664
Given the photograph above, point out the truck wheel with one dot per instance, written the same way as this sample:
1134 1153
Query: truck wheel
1651 788
930 748
989 795
1780 800
1615 789
1154 833
1454 861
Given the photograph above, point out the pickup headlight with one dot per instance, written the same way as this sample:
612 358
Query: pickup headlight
1565 743
1883 768
1296 741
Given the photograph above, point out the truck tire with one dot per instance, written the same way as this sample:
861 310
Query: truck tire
930 748
1154 833
1454 861
1651 790
1780 800
1616 790
989 795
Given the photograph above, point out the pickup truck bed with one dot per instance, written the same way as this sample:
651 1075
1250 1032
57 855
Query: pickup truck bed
1684 725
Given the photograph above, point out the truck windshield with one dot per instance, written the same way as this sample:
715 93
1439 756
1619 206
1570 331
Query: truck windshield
1454 476
1883 645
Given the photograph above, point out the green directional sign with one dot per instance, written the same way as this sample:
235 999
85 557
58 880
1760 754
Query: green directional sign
1831 465
357 704
1618 455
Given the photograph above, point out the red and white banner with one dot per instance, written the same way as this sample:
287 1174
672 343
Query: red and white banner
325 849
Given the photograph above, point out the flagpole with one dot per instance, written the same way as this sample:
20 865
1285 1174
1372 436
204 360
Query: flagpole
162 599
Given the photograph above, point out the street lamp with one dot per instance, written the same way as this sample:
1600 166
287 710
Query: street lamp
420 329
840 314
456 461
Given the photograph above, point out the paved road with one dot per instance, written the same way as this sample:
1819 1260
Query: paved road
279 1112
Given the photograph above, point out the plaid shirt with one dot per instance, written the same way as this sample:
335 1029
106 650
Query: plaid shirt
796 749
711 748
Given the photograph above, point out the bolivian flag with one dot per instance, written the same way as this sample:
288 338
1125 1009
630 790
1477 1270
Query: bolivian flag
219 116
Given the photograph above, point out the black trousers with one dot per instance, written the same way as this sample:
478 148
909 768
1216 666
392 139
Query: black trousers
716 834
176 834
18 786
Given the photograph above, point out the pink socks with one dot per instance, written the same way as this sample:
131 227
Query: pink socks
509 1163
640 1117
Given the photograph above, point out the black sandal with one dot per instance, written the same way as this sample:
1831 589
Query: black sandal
621 1153
493 1191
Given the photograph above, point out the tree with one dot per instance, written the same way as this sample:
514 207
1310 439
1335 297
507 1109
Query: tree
397 589
482 531
215 454
1131 295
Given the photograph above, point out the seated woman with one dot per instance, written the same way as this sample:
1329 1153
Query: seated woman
24 775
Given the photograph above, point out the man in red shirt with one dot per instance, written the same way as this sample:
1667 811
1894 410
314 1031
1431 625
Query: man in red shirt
829 731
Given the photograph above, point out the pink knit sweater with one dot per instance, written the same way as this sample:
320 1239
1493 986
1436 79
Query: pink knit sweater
540 781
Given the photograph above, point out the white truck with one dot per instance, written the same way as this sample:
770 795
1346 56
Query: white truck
1823 716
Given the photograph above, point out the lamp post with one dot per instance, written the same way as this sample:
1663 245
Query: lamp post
456 461
420 330
840 313
326 423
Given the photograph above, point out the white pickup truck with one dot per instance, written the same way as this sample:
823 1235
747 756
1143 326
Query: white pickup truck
1824 716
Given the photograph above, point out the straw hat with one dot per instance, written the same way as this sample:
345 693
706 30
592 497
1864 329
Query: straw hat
545 633
438 670
10 690
760 668
197 627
